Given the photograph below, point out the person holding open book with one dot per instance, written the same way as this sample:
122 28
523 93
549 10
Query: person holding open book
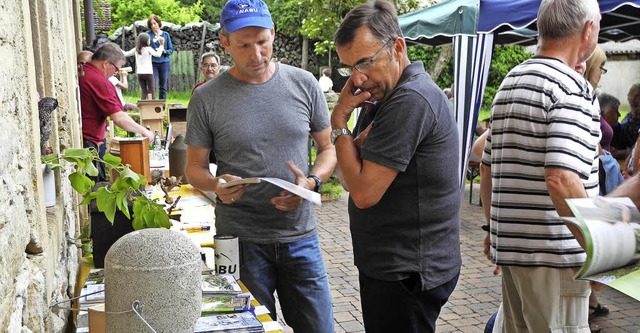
541 149
256 117
401 172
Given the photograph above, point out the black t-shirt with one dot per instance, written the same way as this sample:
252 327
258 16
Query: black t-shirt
415 225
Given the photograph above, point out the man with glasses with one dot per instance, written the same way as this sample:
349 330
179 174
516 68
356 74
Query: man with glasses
99 100
401 172
210 67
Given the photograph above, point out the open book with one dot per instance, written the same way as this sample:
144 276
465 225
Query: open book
302 192
612 241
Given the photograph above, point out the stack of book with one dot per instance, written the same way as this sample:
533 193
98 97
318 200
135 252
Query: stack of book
92 292
224 307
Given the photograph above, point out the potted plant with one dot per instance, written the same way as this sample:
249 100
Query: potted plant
112 202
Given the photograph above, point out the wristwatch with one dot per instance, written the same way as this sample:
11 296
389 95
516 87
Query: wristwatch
318 182
338 132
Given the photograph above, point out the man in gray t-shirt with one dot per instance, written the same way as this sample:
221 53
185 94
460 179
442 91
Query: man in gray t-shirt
257 117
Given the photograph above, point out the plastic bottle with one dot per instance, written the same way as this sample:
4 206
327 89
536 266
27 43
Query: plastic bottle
157 143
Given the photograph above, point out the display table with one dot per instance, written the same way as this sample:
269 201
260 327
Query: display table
203 238
86 265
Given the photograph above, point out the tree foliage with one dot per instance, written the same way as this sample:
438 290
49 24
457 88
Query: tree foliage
503 60
429 55
125 12
319 19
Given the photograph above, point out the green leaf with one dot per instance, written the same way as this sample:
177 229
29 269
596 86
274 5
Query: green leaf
130 177
148 217
86 232
119 185
87 198
122 204
106 202
91 170
142 180
138 222
86 248
81 183
112 160
138 207
81 153
161 219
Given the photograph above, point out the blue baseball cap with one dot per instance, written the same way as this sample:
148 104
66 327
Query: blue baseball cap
238 14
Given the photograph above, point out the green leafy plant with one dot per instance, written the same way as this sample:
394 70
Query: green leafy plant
83 241
127 187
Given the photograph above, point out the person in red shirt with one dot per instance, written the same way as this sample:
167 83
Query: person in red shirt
99 100
210 67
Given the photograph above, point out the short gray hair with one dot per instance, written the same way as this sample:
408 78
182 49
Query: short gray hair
559 19
109 51
209 55
608 102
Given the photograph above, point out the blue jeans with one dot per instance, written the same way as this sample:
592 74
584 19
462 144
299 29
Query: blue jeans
161 71
297 272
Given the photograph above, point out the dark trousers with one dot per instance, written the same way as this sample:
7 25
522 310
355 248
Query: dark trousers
161 72
146 85
102 174
402 306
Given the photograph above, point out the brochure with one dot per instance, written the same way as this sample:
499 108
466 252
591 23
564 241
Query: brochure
612 241
302 192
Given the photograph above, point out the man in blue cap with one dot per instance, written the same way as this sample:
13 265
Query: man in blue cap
256 117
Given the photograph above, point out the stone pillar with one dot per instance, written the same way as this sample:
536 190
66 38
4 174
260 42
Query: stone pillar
159 268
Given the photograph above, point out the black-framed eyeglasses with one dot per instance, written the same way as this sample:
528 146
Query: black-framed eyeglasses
362 66
207 66
603 70
114 65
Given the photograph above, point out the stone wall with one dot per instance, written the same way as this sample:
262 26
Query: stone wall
190 38
38 44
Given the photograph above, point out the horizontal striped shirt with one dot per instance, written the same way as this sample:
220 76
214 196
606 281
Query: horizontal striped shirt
545 115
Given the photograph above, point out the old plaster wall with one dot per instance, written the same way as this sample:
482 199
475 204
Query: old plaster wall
38 262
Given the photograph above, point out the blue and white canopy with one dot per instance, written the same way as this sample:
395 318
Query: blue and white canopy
474 26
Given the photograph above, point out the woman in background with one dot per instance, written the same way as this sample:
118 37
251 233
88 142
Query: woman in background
594 67
593 73
161 65
144 67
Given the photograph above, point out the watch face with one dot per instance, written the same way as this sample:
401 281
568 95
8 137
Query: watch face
338 132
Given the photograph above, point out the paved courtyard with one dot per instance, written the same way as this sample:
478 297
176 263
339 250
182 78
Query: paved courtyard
477 295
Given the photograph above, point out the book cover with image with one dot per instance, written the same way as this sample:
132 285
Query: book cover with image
224 284
225 303
611 235
231 322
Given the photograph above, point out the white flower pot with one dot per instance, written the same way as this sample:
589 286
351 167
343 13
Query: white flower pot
49 180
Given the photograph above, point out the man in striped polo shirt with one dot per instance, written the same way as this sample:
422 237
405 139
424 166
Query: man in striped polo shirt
541 149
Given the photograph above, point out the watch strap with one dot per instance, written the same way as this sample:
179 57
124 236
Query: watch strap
318 182
338 132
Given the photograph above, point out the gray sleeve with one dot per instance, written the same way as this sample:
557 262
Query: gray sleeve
198 132
320 109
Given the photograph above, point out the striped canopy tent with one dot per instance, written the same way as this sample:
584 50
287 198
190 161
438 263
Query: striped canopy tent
475 26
